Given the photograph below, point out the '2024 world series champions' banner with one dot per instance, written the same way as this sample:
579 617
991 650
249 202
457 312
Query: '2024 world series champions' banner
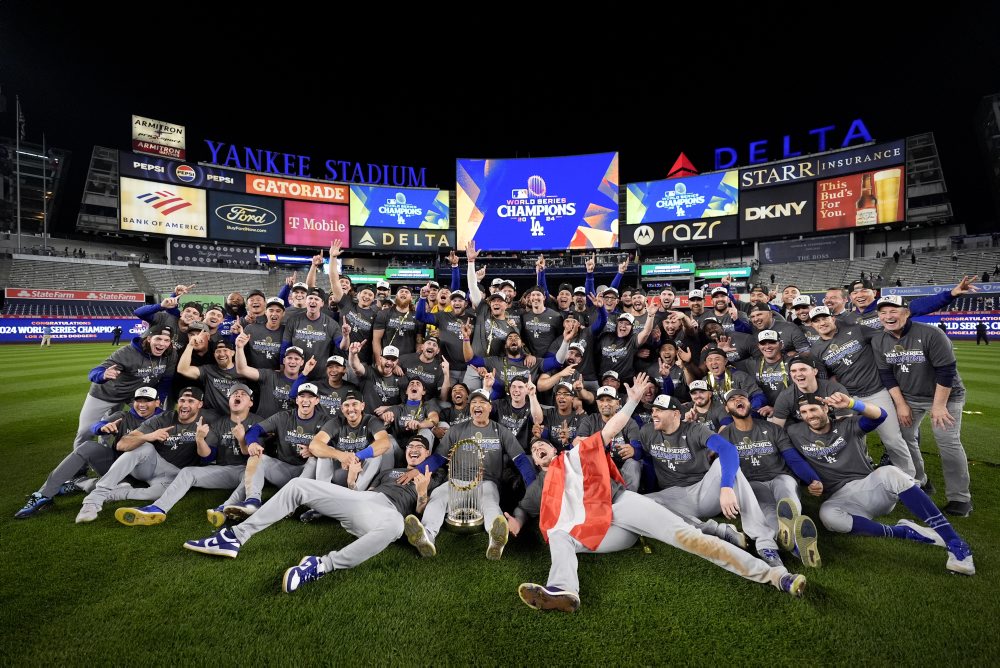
378 206
28 329
533 204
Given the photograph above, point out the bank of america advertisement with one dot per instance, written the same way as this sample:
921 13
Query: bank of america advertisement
688 198
148 207
533 204
378 206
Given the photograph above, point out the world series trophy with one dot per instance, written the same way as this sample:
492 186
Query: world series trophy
465 473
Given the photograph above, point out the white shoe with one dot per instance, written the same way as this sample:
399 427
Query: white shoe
88 513
930 535
417 536
498 538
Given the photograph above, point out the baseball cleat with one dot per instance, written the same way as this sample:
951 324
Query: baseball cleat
960 558
793 584
309 516
958 508
771 558
921 534
306 571
220 544
806 537
786 524
145 516
34 504
417 535
734 536
79 484
215 516
238 512
88 513
498 538
548 598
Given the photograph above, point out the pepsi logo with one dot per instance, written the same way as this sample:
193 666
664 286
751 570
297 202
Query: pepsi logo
185 173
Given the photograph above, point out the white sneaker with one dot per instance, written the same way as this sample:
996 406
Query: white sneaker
926 533
88 513
498 538
417 536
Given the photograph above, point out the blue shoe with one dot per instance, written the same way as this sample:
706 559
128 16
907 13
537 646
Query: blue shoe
960 558
35 503
140 517
296 576
220 544
793 584
238 512
548 598
79 484
771 558
216 517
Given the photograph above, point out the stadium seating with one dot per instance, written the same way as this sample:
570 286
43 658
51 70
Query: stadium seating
71 274
940 269
50 307
163 279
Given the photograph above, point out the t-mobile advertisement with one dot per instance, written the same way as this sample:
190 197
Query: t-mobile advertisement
317 225
29 329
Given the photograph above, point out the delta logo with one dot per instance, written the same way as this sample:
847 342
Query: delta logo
185 173
164 201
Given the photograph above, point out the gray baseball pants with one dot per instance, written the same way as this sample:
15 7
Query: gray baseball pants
92 411
954 463
368 515
91 453
270 469
769 493
437 507
143 463
870 497
903 455
702 500
637 515
330 470
206 477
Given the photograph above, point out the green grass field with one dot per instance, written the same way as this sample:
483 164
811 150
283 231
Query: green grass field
103 593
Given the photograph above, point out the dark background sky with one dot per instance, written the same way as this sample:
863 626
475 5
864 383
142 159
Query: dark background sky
421 89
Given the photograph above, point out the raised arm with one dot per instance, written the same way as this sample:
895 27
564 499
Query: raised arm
335 289
242 367
475 296
622 417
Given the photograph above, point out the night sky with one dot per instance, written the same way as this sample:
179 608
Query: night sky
401 89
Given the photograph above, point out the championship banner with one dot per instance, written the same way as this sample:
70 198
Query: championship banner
245 218
537 204
378 206
692 232
836 247
409 273
28 329
148 207
180 173
188 254
157 138
74 295
962 324
316 225
687 198
861 200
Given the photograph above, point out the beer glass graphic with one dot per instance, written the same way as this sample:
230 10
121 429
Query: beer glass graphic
887 194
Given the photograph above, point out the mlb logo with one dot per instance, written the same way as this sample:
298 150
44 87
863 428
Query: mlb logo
519 193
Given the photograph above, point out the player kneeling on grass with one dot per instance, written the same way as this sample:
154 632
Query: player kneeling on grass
375 517
98 455
859 492
583 506
155 452
766 455
224 441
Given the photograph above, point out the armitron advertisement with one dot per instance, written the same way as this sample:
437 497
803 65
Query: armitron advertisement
157 138
159 208
377 206
687 198
534 204
316 225
861 200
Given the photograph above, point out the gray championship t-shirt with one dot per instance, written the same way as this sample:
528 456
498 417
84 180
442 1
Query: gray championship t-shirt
680 459
838 456
913 357
760 449
494 439
179 448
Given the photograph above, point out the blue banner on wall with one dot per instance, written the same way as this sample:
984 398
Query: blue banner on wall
378 206
68 330
962 324
686 198
922 290
533 204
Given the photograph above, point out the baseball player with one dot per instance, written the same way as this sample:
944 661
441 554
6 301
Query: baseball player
540 326
917 364
429 366
223 442
859 492
618 349
264 351
397 326
155 453
863 295
311 330
97 455
275 386
630 515
767 459
805 379
624 445
495 440
375 516
359 315
561 422
333 388
721 378
380 383
218 378
705 408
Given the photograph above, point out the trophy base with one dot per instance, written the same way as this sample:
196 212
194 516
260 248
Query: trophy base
464 522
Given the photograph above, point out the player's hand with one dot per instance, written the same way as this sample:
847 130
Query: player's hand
291 280
422 482
626 451
684 354
334 249
445 366
408 477
815 488
838 400
765 411
540 263
238 431
354 467
530 386
202 429
345 330
388 417
357 346
242 340
112 372
470 251
567 371
111 427
591 263
467 329
727 279
904 414
964 287
729 503
643 353
480 273
160 434
513 526
381 412
530 360
236 328
183 289
309 365
664 368
638 387
571 327
941 418
536 431
733 312
255 449
169 302
489 380
453 258
412 425
725 343
691 416
564 432
623 265
397 370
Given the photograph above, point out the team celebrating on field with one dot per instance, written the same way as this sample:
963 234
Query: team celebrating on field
602 416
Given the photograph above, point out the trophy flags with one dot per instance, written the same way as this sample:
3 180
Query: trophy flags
577 493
